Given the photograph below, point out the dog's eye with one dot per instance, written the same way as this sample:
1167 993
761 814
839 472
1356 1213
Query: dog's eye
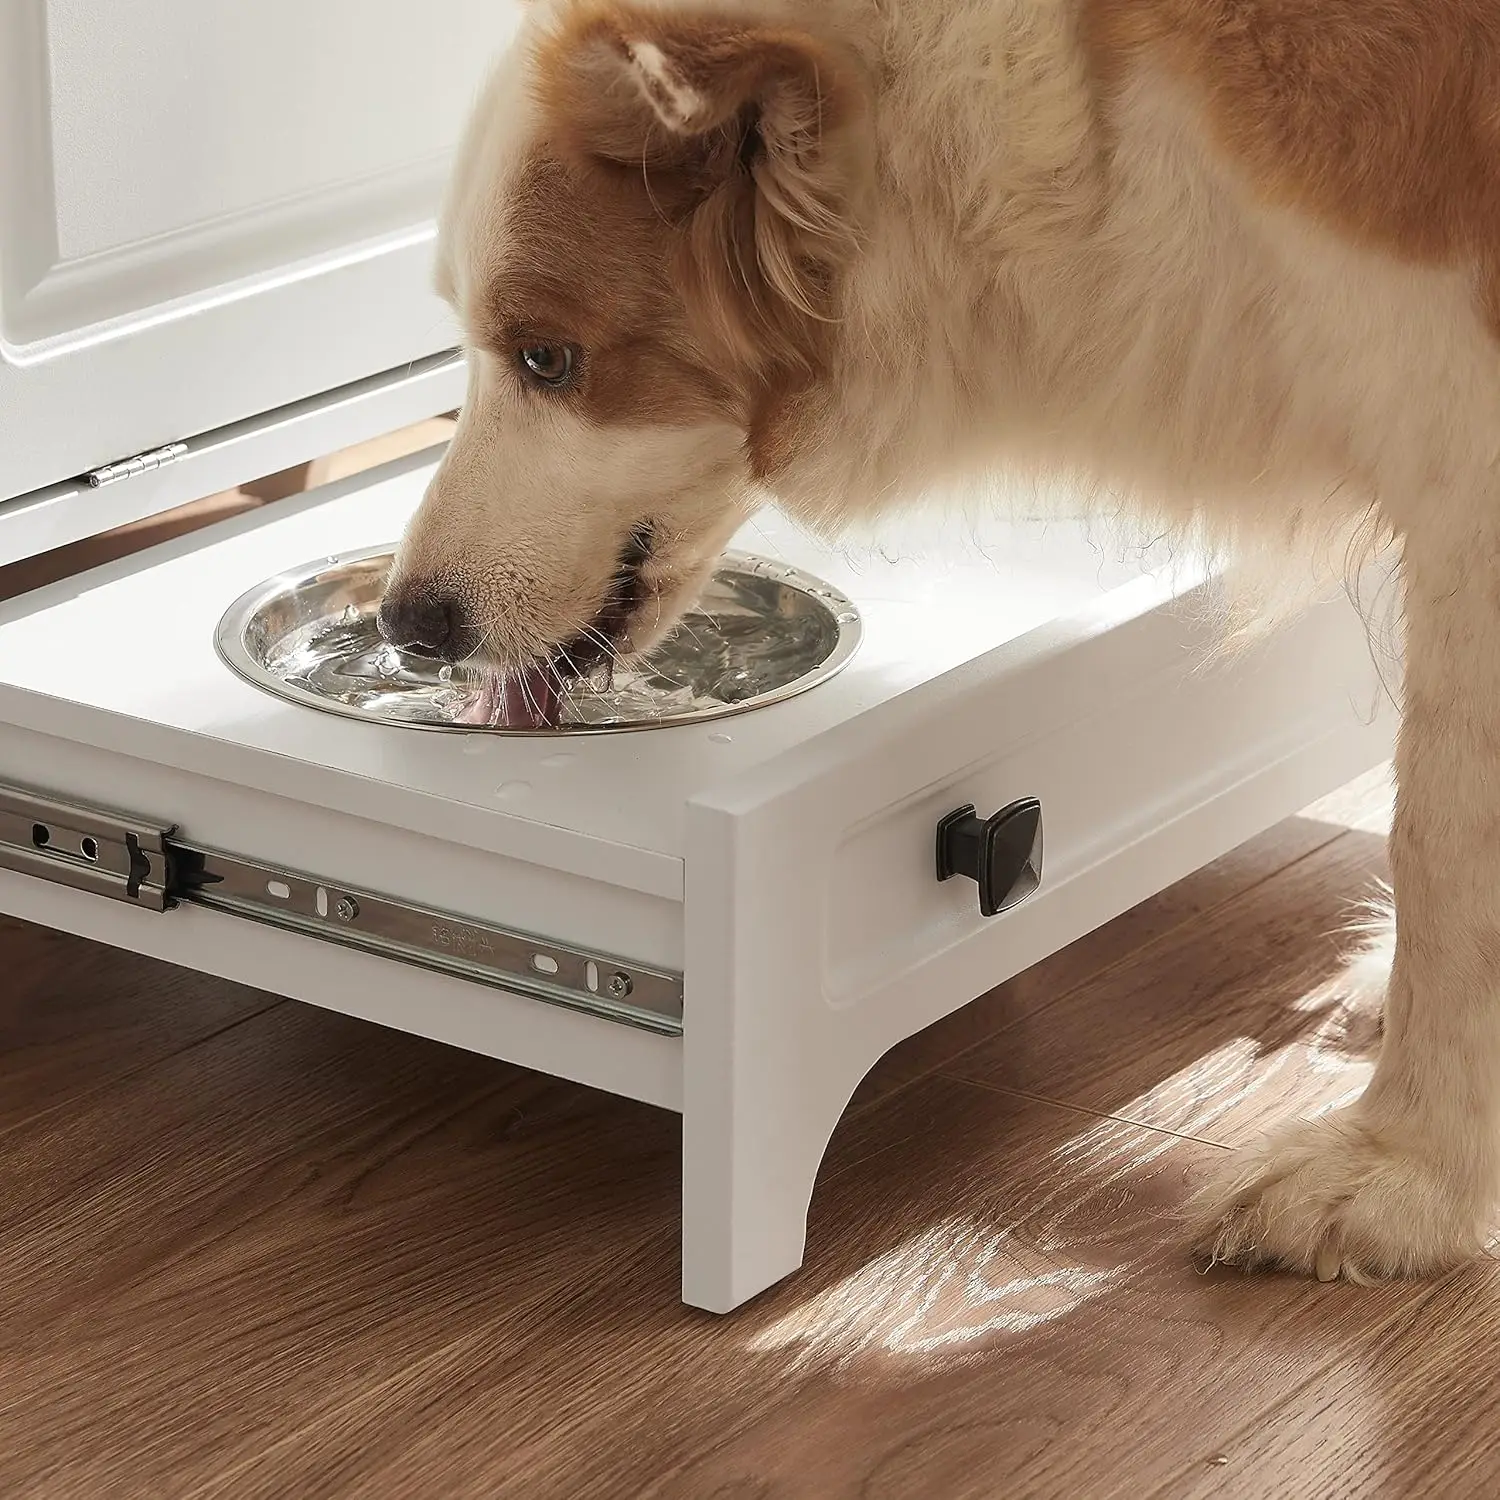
550 364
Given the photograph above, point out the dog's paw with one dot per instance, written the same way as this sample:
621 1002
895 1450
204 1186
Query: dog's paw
1328 1198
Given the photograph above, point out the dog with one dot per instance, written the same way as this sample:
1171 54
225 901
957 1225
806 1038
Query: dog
1237 261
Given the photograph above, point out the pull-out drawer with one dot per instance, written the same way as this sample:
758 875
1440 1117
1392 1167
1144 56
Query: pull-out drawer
733 919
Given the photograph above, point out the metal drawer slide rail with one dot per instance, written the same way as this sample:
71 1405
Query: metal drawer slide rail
137 861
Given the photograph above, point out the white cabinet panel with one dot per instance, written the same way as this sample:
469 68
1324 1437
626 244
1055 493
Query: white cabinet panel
235 109
210 209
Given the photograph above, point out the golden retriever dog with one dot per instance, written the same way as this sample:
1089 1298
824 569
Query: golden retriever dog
1236 260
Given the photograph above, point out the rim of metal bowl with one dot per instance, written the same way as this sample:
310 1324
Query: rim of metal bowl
229 641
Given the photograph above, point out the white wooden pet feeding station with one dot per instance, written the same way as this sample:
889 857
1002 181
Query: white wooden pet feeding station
206 277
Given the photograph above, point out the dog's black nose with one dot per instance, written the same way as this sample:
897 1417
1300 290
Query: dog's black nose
424 621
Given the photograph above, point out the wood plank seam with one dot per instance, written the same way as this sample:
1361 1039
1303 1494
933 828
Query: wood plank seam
104 1085
1080 1109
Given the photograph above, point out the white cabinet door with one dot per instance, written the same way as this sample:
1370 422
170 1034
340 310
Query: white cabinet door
210 209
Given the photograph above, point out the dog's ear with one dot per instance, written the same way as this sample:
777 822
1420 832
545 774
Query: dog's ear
754 137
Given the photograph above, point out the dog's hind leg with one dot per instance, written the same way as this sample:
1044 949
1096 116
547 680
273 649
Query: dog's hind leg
1403 1182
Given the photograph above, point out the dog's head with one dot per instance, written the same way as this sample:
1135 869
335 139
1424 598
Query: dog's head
645 235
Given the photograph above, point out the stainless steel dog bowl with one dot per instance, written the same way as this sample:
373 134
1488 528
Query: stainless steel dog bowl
761 633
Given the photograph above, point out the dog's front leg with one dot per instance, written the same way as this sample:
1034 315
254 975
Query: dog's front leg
1403 1182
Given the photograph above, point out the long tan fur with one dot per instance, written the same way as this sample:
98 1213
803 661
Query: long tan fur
1233 262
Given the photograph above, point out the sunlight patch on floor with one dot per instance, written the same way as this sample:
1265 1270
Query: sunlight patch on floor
1365 804
938 1293
1248 1083
946 1290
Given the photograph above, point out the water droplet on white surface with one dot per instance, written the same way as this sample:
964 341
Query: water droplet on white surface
720 738
560 759
474 744
513 791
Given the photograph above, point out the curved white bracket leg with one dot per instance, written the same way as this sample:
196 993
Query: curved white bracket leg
753 1138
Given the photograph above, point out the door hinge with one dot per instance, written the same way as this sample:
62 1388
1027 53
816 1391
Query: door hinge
144 863
142 463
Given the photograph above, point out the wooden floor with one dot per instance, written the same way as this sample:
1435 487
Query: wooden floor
250 1248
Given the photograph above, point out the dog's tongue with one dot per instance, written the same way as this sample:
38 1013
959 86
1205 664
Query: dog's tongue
527 699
